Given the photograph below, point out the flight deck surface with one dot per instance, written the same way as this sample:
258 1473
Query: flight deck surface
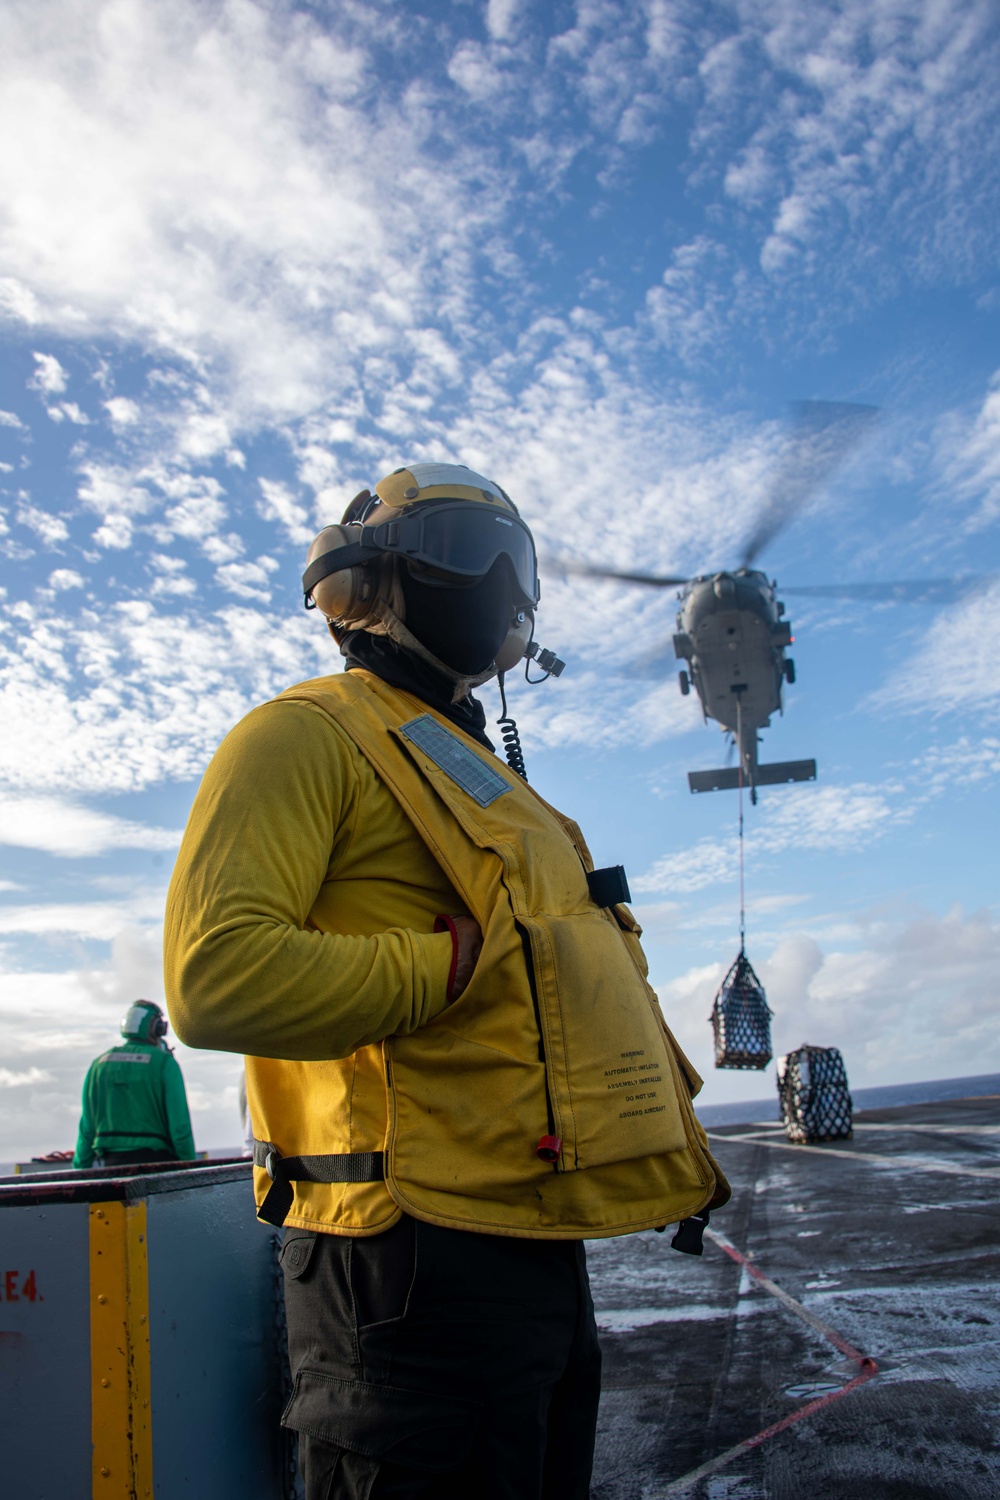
888 1244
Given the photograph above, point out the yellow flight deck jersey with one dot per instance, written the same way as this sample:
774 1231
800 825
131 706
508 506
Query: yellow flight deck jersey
332 827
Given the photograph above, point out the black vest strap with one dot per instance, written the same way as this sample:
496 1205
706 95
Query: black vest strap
351 1166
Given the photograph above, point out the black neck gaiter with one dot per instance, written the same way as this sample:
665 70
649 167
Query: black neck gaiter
399 668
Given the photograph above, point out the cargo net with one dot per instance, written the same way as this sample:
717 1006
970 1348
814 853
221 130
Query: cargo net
815 1102
741 1020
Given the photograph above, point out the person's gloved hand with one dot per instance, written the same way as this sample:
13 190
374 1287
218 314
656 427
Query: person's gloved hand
467 944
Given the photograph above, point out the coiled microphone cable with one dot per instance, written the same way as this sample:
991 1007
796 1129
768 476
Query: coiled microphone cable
509 732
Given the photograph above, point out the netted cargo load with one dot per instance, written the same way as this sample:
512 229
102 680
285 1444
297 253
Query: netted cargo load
816 1104
741 1020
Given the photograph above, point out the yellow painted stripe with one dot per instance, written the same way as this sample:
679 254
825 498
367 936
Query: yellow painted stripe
121 1426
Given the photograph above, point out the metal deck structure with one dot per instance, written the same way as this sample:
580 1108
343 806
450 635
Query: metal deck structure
839 1338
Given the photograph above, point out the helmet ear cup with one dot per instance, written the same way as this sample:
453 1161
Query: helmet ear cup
346 595
516 642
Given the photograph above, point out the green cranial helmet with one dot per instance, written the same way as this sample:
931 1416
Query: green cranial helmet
144 1022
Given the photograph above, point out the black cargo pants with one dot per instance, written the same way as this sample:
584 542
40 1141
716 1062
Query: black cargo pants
441 1364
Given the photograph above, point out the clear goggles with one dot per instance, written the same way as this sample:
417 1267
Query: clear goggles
450 541
142 1020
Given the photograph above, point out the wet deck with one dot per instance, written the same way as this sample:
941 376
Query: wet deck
891 1241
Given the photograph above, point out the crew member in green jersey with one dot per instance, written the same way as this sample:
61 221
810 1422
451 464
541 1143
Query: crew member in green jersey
134 1104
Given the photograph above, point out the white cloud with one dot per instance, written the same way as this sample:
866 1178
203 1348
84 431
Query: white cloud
904 996
133 697
188 504
163 563
65 578
689 309
115 531
72 412
233 217
477 71
48 528
912 997
826 818
10 419
223 549
817 819
109 488
247 580
708 863
123 411
29 1076
963 763
875 116
69 829
173 587
971 458
278 504
99 921
171 580
49 375
199 514
576 435
502 17
953 670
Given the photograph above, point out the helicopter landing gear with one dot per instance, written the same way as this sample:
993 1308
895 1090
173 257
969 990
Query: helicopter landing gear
788 668
685 683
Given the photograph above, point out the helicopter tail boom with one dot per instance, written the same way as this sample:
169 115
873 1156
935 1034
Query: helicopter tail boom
727 778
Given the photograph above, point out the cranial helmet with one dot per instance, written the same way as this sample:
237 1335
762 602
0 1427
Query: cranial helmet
144 1022
428 527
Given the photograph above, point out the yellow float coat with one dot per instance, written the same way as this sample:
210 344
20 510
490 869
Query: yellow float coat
321 846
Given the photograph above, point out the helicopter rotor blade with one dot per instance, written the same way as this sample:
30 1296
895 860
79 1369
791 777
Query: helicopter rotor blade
906 591
652 580
823 434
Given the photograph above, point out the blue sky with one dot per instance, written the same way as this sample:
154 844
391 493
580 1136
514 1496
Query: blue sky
254 256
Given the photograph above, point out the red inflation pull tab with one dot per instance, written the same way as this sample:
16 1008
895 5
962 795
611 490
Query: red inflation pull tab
549 1148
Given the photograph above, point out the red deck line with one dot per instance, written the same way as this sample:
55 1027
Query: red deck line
867 1368
821 1327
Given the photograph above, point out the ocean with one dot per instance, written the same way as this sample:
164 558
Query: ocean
929 1092
752 1110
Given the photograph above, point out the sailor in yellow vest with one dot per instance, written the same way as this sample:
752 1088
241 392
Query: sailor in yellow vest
456 1068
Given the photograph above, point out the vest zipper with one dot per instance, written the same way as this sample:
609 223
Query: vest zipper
530 967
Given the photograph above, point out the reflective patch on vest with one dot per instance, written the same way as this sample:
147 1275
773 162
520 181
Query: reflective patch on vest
126 1057
462 765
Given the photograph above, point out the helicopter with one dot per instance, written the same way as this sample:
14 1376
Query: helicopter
732 633
732 630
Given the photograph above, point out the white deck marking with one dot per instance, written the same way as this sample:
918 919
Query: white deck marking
911 1163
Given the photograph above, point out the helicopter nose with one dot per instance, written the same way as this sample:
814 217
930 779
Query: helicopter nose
724 587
